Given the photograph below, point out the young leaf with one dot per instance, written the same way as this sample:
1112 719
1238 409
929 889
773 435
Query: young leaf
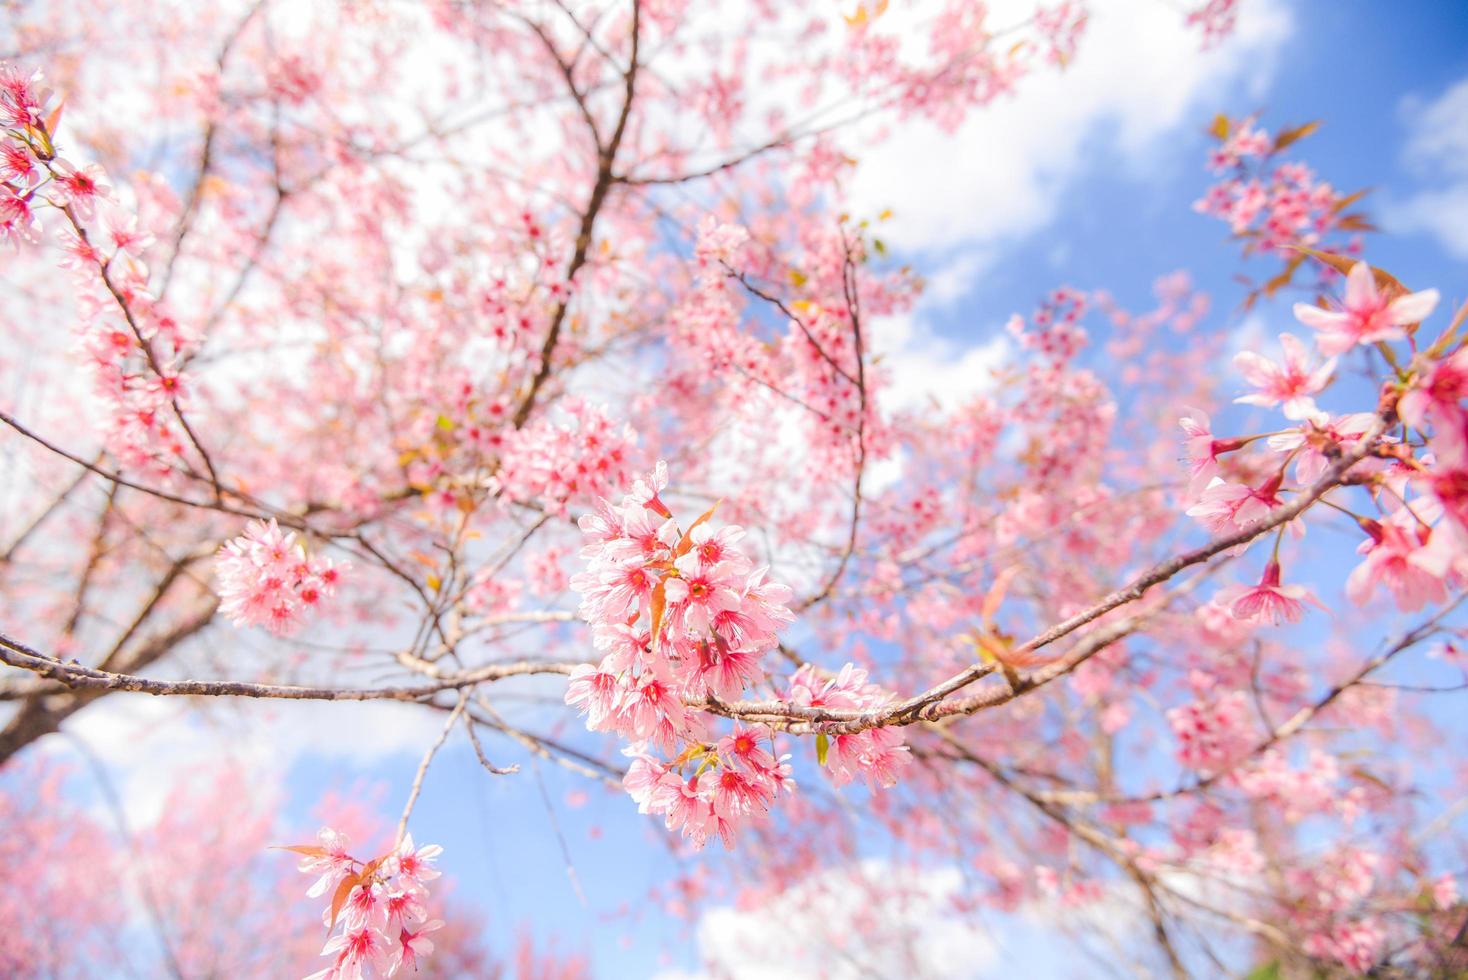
1294 135
339 898
658 604
687 542
310 850
823 747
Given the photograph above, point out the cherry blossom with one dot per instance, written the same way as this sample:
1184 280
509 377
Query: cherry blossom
1366 314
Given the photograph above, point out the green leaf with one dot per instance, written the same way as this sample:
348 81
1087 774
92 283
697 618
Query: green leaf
823 747
1268 971
445 423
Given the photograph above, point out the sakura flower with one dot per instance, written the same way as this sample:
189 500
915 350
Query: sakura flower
266 578
1269 602
645 490
403 908
595 692
700 592
413 943
17 220
1438 393
1291 380
80 187
1366 315
366 906
126 236
1225 507
332 865
1320 440
355 952
18 165
1213 735
413 867
1202 450
744 747
1398 556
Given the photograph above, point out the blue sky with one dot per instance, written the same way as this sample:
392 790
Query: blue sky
1101 198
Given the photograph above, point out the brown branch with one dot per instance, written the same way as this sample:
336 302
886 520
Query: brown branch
932 704
80 677
606 159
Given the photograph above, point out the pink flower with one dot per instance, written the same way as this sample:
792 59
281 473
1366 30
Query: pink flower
17 220
1366 315
354 951
266 578
81 188
17 165
595 692
334 865
645 490
1212 736
403 908
122 229
1202 450
743 746
700 592
1291 380
1320 440
1438 393
366 906
413 867
413 943
1225 507
1398 555
1269 602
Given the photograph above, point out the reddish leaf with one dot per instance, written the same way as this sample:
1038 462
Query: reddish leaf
310 850
1355 222
1294 135
996 595
1385 281
687 542
339 899
658 604
1348 200
54 119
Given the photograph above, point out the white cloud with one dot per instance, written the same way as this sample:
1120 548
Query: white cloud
875 919
1138 76
925 368
1437 150
148 744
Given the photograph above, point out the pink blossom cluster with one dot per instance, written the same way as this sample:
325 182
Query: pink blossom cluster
1216 19
876 754
1416 545
1274 205
1212 735
733 781
554 464
681 616
266 578
1060 27
378 910
134 348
